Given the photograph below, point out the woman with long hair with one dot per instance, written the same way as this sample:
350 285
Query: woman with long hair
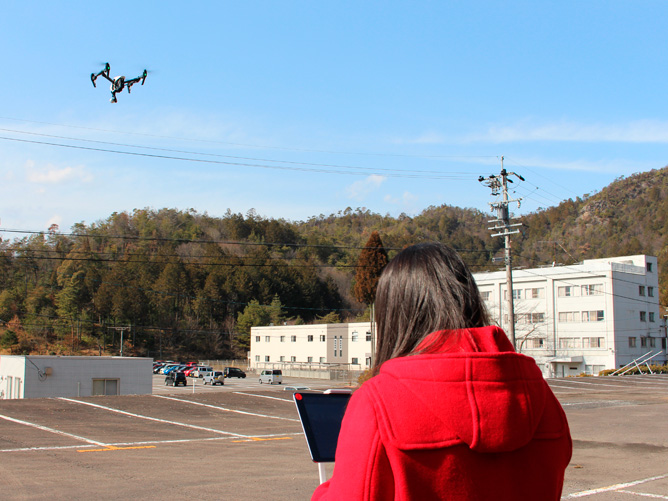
452 412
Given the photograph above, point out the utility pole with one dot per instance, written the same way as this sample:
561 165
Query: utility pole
122 330
499 186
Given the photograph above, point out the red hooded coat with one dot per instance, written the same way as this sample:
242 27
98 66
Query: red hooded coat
469 420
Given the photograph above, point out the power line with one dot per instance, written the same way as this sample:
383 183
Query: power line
455 175
212 141
218 162
219 242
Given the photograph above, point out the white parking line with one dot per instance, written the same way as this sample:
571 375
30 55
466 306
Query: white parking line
226 409
195 427
614 488
148 442
52 430
644 494
262 396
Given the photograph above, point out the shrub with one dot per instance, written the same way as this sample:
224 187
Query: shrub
631 371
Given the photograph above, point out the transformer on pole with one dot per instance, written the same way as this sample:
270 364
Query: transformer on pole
499 186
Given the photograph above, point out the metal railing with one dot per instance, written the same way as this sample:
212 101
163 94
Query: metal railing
641 360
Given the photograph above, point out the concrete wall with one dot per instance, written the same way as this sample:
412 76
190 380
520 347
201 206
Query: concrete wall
47 376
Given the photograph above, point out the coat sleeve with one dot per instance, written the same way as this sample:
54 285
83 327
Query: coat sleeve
361 470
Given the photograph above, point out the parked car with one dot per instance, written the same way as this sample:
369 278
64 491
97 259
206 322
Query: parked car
188 371
234 372
173 368
176 378
202 371
216 377
271 376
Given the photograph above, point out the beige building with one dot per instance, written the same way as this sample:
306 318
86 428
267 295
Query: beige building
316 346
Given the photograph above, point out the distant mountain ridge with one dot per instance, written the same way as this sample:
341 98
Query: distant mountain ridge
185 281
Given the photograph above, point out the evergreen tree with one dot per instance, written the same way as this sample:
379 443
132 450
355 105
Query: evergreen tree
370 265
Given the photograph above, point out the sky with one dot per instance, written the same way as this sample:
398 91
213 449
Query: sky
295 109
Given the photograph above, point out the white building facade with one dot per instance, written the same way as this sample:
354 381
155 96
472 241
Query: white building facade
600 314
315 346
35 376
577 319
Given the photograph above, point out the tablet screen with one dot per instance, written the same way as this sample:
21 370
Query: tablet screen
321 416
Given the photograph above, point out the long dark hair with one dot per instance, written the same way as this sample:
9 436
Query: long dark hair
425 288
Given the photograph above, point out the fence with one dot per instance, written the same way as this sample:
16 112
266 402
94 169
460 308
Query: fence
348 373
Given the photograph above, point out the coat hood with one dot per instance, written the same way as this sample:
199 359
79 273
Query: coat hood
481 394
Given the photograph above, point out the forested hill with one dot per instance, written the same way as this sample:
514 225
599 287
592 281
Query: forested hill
192 284
630 216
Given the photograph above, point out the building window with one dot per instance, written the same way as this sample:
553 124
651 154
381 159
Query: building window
267 338
592 342
632 342
529 318
281 358
266 358
643 316
649 267
322 338
105 387
309 338
535 293
641 290
568 316
309 360
537 318
566 291
647 342
651 316
368 336
354 361
592 316
570 342
486 295
282 339
367 361
517 294
592 290
293 339
650 291
355 337
257 358
293 359
322 360
537 343
257 339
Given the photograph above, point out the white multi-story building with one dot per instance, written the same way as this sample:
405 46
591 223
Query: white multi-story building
600 314
317 345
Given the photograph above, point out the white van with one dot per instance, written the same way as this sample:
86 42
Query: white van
203 371
271 376
216 377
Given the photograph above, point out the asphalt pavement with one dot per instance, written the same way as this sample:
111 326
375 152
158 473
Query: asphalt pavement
244 441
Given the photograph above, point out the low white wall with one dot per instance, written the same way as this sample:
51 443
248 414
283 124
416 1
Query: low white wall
48 376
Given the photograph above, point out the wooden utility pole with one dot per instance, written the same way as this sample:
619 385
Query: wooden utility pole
499 186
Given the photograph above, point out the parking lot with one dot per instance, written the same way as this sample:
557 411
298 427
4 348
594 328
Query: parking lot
243 440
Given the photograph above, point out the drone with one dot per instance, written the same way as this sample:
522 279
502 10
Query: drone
117 83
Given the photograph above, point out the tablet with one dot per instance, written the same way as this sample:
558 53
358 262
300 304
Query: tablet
321 415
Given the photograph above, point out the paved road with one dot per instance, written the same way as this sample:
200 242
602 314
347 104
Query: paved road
244 441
